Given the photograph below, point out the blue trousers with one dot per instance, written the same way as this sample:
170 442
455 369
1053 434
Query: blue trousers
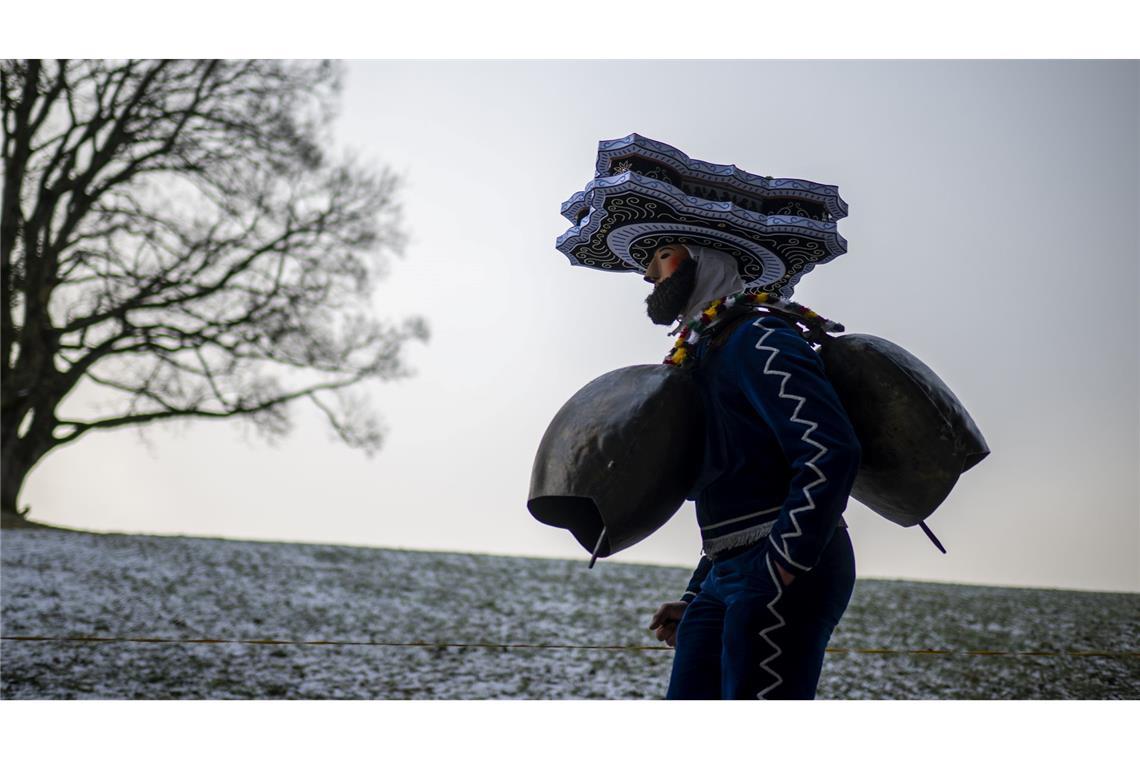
747 636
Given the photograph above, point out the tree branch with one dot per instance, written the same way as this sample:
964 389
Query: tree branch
81 427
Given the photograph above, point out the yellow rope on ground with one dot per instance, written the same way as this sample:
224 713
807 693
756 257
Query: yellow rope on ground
492 645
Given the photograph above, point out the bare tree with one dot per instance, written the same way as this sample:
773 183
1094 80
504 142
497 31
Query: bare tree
175 233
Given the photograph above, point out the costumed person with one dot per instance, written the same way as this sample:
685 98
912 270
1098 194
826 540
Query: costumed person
780 458
745 417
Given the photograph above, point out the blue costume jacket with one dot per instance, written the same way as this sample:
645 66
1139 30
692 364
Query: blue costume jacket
780 454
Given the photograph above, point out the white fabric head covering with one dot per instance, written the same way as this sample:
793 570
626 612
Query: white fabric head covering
717 276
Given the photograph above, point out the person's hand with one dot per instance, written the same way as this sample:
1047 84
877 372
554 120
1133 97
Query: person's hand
665 621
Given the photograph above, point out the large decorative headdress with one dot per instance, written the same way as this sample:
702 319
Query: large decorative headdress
646 194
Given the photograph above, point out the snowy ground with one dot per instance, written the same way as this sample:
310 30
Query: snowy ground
61 583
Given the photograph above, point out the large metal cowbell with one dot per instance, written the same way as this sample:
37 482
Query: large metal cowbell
620 455
916 436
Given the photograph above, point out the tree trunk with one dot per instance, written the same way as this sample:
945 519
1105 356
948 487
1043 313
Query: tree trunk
17 458
13 471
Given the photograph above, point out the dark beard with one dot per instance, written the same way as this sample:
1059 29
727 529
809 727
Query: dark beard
672 294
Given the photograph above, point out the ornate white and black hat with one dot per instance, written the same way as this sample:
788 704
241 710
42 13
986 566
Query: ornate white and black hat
646 194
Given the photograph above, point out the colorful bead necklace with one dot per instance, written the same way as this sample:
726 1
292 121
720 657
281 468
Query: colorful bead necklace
716 310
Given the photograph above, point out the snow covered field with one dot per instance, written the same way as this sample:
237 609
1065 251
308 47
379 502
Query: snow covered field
58 583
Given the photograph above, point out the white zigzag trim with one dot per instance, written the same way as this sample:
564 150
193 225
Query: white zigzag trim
764 633
806 438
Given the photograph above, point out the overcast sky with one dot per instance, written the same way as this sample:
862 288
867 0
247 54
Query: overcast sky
992 232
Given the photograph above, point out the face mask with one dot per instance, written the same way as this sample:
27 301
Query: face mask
670 296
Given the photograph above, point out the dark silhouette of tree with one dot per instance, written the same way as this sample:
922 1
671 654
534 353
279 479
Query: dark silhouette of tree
175 233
